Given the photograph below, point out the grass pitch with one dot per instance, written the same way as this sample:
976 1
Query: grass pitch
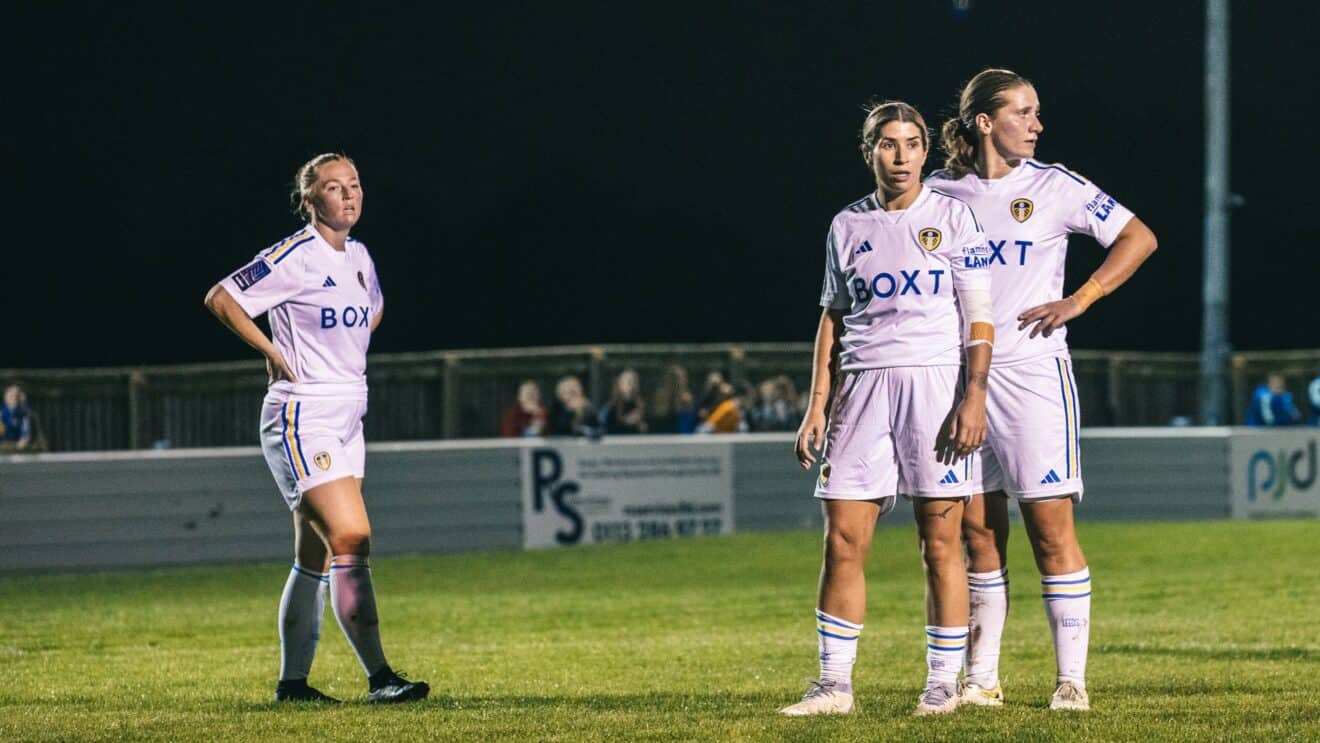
1202 631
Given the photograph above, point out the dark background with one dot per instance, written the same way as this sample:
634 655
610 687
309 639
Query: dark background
587 173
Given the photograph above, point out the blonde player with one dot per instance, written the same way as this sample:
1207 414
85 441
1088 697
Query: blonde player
902 264
1028 209
319 290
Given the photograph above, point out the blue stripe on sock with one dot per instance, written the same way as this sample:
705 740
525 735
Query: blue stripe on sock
1056 597
958 649
975 586
1056 582
823 633
836 622
963 636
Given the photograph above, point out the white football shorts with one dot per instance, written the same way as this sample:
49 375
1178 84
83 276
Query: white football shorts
880 441
1031 450
311 441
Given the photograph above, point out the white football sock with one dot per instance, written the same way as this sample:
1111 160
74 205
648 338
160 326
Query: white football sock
1068 606
354 602
302 608
945 647
989 610
838 647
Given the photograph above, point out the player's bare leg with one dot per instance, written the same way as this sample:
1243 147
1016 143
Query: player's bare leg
985 533
939 529
338 514
841 605
1066 589
302 608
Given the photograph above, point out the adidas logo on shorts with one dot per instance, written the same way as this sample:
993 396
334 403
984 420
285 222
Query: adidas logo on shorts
949 479
1051 478
329 282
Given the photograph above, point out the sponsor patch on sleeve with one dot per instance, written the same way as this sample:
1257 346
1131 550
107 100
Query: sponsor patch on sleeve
1101 205
251 274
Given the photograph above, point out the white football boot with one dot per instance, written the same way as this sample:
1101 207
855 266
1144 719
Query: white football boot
823 697
1071 696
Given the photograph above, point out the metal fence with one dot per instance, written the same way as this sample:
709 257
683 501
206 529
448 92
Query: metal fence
460 394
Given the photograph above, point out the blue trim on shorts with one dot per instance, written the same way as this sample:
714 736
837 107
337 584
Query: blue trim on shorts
284 439
1067 421
297 415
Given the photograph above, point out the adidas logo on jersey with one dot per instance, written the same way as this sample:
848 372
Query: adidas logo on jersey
949 479
865 248
1051 478
329 282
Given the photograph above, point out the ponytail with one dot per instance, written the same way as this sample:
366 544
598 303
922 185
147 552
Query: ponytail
959 148
983 94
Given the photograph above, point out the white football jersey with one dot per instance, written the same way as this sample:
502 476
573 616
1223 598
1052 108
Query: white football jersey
897 275
1027 216
320 303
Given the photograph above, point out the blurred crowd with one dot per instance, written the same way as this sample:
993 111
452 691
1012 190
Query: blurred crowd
1272 404
668 406
18 428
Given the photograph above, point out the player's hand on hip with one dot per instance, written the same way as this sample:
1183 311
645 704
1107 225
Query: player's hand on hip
277 369
810 436
1050 316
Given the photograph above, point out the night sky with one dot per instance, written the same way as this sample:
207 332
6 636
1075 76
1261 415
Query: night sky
589 173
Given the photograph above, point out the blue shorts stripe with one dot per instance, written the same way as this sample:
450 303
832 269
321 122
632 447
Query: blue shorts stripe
297 415
1077 423
1067 421
284 437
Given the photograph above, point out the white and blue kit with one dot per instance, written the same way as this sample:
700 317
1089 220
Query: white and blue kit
897 276
320 303
1032 448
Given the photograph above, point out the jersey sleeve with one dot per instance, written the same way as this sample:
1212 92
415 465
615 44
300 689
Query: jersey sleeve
834 292
969 255
1090 211
260 285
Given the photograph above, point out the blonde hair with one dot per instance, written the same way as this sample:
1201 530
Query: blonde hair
305 179
983 94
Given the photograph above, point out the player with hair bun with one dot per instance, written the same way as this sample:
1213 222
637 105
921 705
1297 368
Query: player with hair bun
1028 210
905 297
318 288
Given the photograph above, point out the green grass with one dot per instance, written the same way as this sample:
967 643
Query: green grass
1200 631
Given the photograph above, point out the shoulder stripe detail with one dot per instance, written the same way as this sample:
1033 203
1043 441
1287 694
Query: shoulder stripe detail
1057 167
941 175
286 242
274 259
970 210
865 204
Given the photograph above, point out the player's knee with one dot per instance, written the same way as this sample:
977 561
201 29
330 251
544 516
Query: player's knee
1055 543
351 542
981 541
846 545
941 548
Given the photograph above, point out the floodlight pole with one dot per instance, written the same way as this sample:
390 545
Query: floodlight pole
1214 299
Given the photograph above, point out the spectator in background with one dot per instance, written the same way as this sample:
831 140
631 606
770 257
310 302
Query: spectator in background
672 408
725 416
1272 404
525 416
1313 396
15 420
712 394
777 408
571 413
626 411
